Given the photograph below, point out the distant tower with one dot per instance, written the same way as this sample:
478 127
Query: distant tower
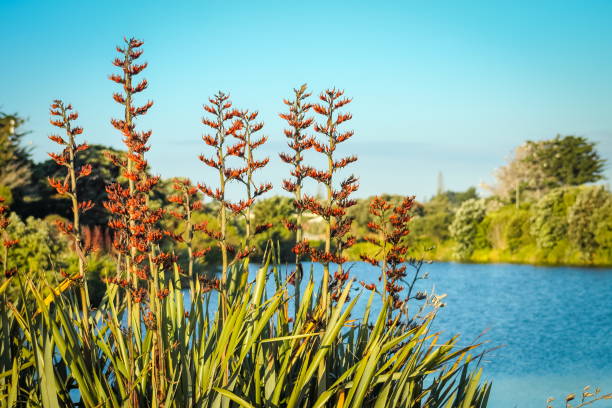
440 184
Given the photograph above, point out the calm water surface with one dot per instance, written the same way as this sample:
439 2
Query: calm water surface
554 323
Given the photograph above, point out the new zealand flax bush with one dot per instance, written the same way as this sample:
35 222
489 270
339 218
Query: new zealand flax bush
234 342
253 357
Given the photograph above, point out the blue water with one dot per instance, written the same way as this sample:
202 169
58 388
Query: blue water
554 323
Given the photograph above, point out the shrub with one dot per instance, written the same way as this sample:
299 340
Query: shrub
585 216
549 222
602 221
465 226
517 230
40 247
254 356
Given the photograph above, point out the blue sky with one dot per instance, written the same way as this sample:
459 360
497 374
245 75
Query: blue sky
438 86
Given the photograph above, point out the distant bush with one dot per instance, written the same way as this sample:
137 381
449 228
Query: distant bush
549 222
589 211
40 247
464 228
517 230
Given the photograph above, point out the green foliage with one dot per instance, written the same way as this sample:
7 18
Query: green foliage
253 356
158 197
274 210
6 194
517 230
464 227
40 248
99 267
590 211
15 163
568 160
456 198
432 227
199 240
571 225
602 221
362 248
40 251
549 223
482 239
539 166
436 216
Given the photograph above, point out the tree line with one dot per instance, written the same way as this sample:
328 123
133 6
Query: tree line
544 208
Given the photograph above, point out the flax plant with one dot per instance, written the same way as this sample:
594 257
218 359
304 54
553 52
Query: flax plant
151 346
299 142
64 116
248 144
333 209
136 224
337 201
188 203
223 125
390 227
9 357
252 357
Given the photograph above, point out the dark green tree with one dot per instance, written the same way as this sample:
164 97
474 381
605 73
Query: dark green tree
15 162
431 221
568 160
456 198
274 210
45 201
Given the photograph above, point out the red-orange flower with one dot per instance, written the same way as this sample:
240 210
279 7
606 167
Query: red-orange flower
390 226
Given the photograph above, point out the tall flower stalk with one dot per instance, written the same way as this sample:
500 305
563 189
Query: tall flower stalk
334 206
389 229
63 116
299 142
249 143
133 220
223 124
333 209
136 224
188 203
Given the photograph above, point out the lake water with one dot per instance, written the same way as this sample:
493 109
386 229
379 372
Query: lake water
554 323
